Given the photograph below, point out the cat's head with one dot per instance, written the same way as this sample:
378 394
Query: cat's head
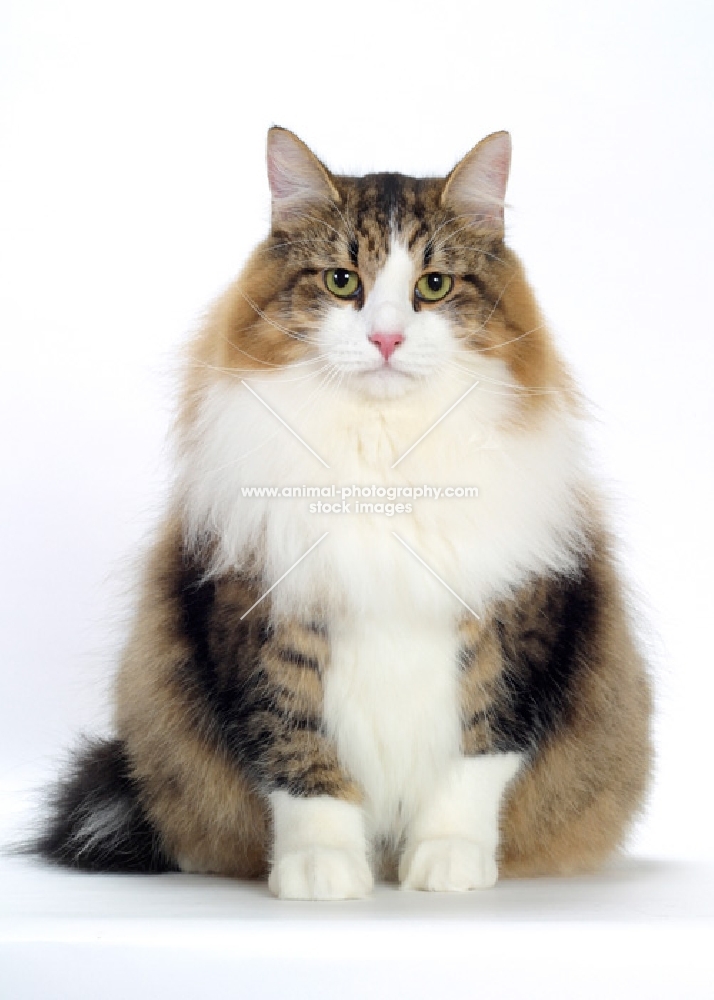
387 280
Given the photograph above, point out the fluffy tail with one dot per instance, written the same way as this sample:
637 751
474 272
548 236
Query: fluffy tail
96 821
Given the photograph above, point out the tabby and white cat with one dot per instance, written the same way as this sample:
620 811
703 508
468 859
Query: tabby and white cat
434 689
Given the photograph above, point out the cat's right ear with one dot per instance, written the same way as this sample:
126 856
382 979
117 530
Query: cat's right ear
297 178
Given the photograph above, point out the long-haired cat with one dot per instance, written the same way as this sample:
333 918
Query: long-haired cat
372 671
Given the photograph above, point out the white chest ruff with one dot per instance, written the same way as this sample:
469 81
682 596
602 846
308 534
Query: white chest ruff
526 519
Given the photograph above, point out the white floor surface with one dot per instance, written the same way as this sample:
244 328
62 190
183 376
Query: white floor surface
643 928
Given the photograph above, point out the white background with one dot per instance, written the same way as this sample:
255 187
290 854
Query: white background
132 187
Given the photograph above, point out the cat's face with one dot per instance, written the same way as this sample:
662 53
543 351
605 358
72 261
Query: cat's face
383 283
385 275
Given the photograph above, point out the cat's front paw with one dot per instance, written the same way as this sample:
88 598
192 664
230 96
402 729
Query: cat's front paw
321 873
448 864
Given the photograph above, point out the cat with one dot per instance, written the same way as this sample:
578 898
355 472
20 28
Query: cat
360 677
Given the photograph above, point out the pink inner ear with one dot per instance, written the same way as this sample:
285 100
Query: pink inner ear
279 183
479 182
496 170
281 171
294 173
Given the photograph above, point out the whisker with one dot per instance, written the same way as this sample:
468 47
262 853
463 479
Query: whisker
238 373
289 243
298 378
323 222
514 388
269 364
348 225
197 363
445 244
466 248
505 343
482 327
271 322
448 222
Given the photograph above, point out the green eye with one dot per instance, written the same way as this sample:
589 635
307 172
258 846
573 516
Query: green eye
344 284
434 286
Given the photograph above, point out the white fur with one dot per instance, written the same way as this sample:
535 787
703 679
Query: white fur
319 849
392 708
453 840
526 519
106 824
391 694
449 864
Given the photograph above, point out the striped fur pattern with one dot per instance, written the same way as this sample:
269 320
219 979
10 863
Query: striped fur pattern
359 721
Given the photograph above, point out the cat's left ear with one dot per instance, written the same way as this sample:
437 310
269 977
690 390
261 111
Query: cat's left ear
477 185
296 176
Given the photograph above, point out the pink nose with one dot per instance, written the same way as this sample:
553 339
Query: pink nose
387 343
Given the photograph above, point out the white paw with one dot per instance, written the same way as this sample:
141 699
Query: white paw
448 864
321 873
